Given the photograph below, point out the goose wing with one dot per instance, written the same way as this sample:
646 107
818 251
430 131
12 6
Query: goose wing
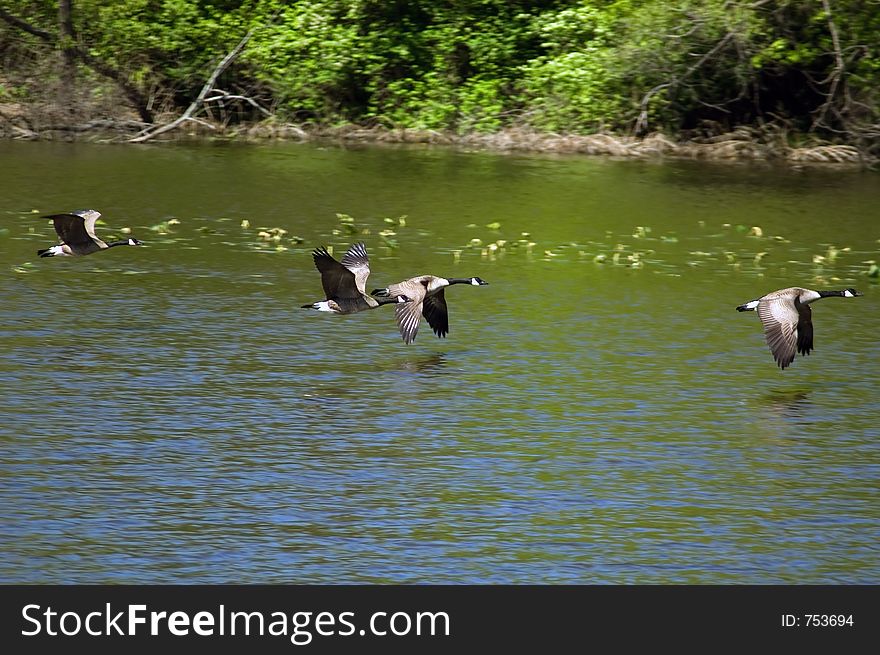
414 287
436 313
337 280
780 317
805 330
90 217
71 229
409 314
357 261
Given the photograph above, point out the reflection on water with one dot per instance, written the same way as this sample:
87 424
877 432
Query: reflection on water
587 420
430 364
788 403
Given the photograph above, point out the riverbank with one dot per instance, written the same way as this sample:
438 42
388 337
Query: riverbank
719 81
767 144
740 145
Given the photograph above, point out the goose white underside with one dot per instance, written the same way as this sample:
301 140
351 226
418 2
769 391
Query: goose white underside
323 306
753 305
57 251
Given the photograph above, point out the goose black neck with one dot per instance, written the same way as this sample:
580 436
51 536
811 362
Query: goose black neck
386 300
112 244
459 280
828 294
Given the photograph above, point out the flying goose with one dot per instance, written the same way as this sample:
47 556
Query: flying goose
76 231
786 317
345 283
427 298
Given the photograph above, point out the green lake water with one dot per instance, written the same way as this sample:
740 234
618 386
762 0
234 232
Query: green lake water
599 413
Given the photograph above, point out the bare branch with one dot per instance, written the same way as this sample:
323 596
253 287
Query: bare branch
642 120
131 91
227 96
98 124
201 122
27 27
200 99
836 75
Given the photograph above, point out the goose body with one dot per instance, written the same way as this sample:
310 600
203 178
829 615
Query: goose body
787 319
426 298
76 233
345 282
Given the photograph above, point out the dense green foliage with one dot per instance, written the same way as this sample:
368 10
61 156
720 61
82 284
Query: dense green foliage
479 65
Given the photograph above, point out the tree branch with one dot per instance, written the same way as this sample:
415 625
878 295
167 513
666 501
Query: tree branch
836 75
131 92
27 27
642 121
200 99
228 96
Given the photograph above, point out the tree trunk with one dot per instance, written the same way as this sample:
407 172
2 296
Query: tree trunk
137 99
67 81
